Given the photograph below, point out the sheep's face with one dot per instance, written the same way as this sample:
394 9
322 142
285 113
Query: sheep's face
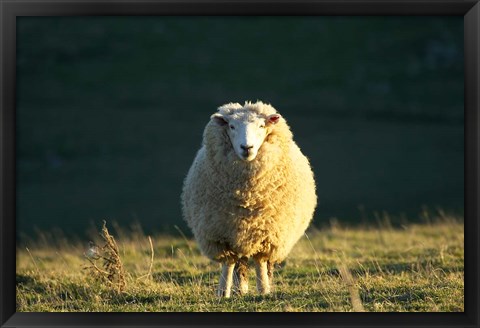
246 131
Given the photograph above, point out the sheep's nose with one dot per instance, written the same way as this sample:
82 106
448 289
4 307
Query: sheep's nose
246 147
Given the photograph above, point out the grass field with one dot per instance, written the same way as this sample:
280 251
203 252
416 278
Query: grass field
414 267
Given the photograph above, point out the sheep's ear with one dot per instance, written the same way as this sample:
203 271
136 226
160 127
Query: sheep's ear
219 119
274 118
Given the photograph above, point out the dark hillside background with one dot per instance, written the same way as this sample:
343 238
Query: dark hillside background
110 111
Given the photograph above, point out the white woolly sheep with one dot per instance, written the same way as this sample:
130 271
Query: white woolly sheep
250 193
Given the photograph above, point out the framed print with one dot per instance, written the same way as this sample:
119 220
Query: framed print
232 163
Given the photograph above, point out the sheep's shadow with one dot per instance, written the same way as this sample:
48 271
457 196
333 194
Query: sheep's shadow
279 296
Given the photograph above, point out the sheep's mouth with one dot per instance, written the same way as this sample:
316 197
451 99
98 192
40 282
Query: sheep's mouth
248 159
247 156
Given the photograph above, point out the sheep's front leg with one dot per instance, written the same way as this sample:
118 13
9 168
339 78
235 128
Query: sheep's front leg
226 280
263 283
241 276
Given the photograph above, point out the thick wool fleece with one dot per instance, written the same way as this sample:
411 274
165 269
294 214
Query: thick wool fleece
248 209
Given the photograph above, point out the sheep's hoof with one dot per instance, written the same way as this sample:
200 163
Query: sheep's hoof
222 293
264 291
241 290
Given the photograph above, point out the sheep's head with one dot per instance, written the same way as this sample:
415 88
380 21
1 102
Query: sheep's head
246 126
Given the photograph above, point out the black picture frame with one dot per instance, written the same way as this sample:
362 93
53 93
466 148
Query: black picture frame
10 10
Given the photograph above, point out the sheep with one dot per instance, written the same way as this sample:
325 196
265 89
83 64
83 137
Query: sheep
250 193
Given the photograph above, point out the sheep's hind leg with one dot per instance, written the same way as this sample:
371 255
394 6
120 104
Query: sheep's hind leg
270 267
241 276
226 280
263 284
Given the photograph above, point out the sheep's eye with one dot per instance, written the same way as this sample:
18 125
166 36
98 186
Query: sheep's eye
232 127
262 126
